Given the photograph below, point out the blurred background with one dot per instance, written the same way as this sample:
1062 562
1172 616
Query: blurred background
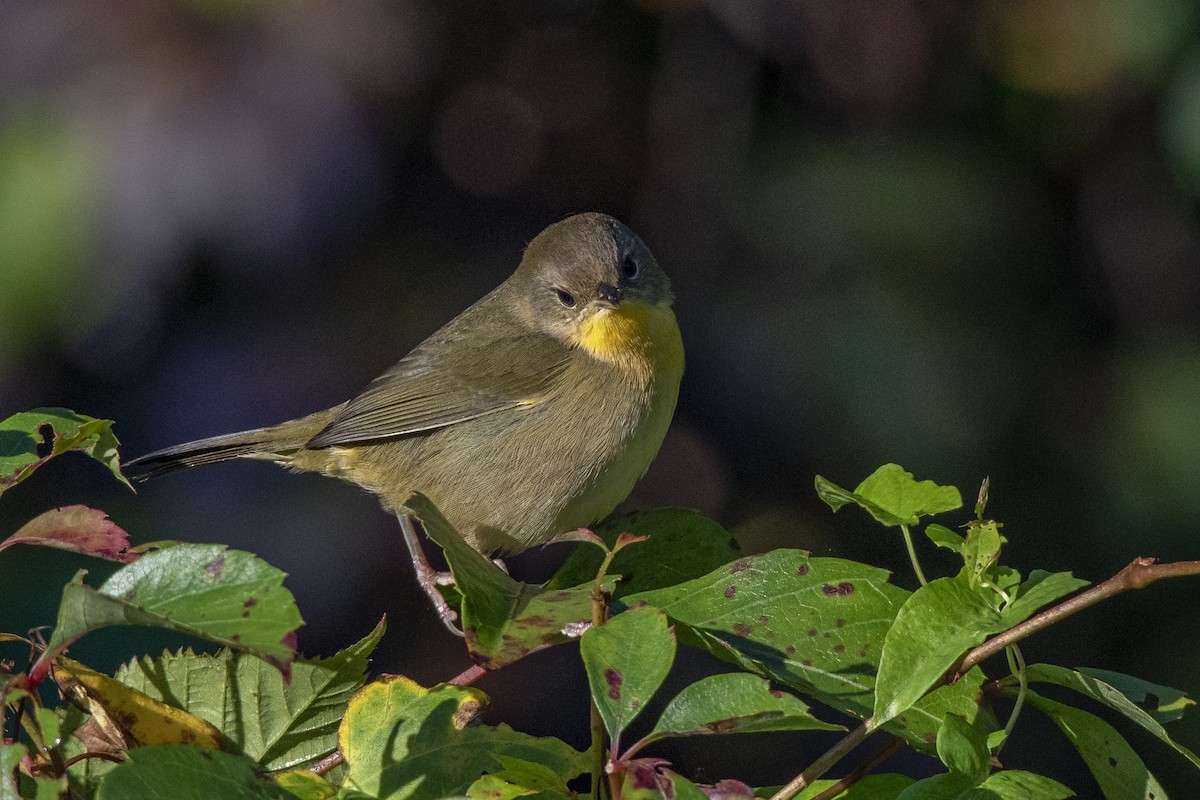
958 236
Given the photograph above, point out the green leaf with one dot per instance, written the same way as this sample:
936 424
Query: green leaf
934 627
627 659
1039 589
1015 784
1005 785
226 596
279 725
517 778
1089 683
1161 702
981 549
31 438
886 786
1117 768
682 545
10 758
305 785
815 624
892 496
734 703
78 529
184 772
403 741
944 537
963 749
503 619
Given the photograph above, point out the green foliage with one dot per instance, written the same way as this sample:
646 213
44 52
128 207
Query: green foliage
254 719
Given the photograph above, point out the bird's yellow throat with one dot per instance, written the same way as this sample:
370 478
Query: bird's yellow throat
637 336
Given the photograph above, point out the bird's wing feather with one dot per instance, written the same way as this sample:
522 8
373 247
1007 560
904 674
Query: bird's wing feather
445 381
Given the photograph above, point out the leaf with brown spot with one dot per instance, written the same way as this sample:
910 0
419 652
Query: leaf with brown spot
627 659
142 719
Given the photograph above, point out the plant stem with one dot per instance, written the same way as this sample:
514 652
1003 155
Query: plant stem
599 617
912 555
1138 574
1016 663
863 769
822 764
468 676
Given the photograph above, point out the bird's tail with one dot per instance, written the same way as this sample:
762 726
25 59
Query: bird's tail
276 443
247 444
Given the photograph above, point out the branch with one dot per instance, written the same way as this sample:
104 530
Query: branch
1138 574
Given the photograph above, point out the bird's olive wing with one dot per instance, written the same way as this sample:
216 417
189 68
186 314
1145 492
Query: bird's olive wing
445 381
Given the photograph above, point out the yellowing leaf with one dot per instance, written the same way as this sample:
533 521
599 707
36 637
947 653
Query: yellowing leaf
142 719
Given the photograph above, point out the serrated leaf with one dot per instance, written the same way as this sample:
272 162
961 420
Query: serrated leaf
402 741
1039 589
682 545
279 725
226 596
78 529
934 627
503 619
892 496
1116 766
31 438
1092 685
815 624
734 703
144 720
627 659
183 772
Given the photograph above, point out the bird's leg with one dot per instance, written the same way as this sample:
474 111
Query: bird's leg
428 578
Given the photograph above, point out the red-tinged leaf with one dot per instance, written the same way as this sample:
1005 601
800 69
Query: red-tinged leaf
31 438
625 539
76 528
579 535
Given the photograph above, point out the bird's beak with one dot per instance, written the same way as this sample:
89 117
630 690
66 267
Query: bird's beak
610 296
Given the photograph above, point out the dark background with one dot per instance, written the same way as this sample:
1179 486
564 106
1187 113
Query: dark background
958 236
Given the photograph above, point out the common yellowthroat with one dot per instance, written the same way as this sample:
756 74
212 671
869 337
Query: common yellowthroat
529 414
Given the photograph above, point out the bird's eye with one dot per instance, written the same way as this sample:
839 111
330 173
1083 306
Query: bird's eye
629 266
565 297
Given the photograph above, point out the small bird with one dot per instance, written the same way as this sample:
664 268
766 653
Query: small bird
531 413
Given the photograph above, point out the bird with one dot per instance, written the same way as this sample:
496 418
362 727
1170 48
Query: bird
531 413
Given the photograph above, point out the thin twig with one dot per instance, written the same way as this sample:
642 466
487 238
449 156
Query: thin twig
327 763
1138 574
468 676
73 760
827 760
863 769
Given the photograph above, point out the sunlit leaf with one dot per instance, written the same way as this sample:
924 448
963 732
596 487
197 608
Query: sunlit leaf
226 596
627 659
892 496
1039 589
31 438
403 741
734 703
933 628
870 787
305 785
